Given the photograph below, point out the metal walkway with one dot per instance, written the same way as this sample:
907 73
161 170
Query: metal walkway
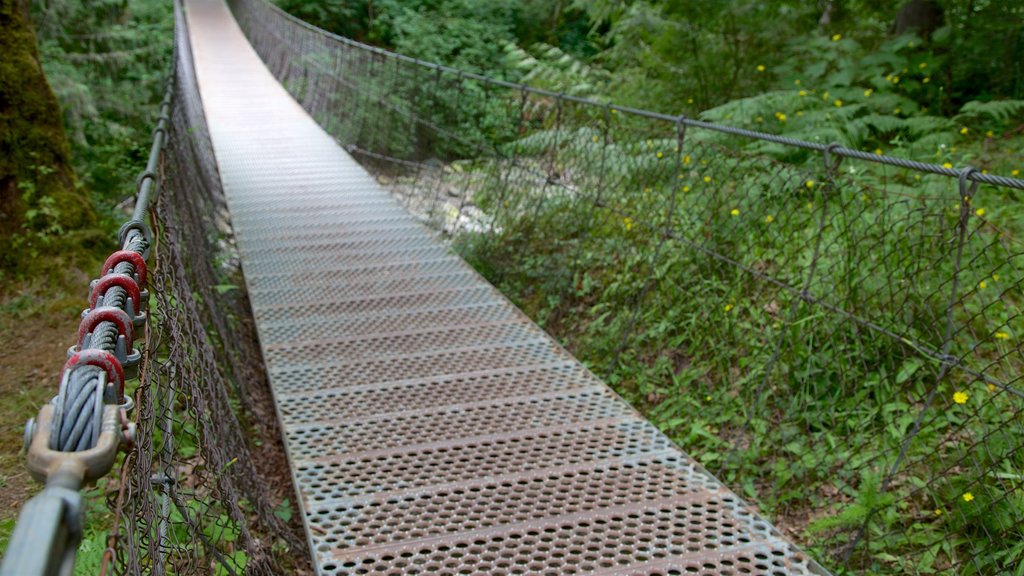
431 427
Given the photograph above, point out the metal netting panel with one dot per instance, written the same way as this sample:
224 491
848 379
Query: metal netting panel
194 496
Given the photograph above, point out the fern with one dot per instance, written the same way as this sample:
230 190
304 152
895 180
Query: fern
923 125
1001 110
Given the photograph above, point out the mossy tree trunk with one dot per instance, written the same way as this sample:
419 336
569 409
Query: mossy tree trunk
39 199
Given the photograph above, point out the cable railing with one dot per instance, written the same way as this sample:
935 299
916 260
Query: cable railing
178 388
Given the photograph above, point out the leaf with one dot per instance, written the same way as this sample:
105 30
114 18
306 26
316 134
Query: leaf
998 109
284 511
908 369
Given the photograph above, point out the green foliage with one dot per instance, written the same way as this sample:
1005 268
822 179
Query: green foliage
107 62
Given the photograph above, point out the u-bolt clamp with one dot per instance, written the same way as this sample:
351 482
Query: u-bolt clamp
132 305
130 256
126 354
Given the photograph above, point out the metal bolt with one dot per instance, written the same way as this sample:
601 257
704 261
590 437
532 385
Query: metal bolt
30 431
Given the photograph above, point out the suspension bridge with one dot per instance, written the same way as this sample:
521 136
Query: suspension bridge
429 426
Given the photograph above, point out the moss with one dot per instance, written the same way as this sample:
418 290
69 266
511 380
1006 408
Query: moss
39 198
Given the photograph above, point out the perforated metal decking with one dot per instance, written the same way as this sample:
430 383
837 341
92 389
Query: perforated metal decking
431 427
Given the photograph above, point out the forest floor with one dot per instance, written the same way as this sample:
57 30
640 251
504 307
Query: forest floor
37 324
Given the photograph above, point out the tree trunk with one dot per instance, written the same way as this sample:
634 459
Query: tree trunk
922 17
39 200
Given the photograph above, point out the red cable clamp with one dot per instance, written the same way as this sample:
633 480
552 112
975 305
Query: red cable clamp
120 319
130 256
124 281
124 351
103 360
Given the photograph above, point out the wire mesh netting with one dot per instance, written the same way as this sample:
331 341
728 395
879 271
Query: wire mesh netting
205 489
836 338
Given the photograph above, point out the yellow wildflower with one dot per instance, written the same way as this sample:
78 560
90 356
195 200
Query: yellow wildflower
660 155
728 307
938 511
868 92
1002 336
735 212
760 119
980 212
809 184
686 188
990 133
687 159
947 165
689 100
780 116
707 398
803 93
769 219
837 37
927 79
628 222
895 79
707 179
960 397
982 285
760 67
995 277
922 65
991 387
596 138
878 151
968 496
1014 172
964 130
838 103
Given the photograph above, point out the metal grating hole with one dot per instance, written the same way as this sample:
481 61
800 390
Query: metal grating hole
412 238
673 532
322 218
300 293
360 275
397 469
343 235
341 309
420 366
454 422
299 203
309 264
349 230
360 348
387 518
342 405
390 323
287 227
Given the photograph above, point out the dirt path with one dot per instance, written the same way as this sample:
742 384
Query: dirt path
31 356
